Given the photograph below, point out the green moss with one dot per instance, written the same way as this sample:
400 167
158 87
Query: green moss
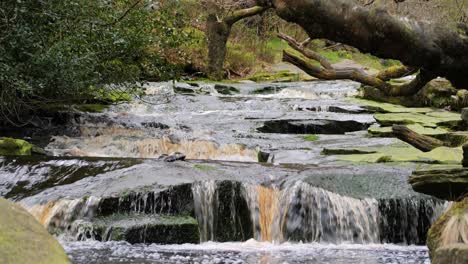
280 76
384 159
380 131
204 167
434 235
432 119
311 137
406 153
24 240
389 108
18 147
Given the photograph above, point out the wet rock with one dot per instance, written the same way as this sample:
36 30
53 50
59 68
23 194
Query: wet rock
263 156
155 125
18 147
465 116
312 126
451 228
226 89
447 184
406 220
24 240
451 254
135 229
347 151
465 156
176 200
173 157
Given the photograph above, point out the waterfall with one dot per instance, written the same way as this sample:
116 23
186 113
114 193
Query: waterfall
304 213
205 205
59 215
301 212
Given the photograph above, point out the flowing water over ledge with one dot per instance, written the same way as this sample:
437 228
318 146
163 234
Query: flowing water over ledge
115 190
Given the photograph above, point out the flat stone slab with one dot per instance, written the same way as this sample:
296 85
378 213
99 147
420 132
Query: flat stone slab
431 119
447 184
159 229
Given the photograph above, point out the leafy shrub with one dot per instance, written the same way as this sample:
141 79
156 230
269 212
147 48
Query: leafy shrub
70 51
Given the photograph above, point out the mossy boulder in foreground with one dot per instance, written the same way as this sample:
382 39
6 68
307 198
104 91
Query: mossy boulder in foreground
24 240
449 230
18 147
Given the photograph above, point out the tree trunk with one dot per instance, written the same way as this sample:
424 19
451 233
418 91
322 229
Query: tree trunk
217 32
435 49
217 36
421 142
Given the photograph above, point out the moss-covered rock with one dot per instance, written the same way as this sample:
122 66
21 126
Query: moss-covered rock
24 240
447 184
451 254
418 128
160 229
382 107
449 229
18 147
402 153
430 119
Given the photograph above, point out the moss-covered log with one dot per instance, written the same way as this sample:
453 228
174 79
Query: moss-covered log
421 142
436 49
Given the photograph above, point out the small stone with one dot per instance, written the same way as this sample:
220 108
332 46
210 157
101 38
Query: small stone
174 157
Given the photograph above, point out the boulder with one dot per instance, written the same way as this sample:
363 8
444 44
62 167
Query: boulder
451 254
142 228
447 184
448 231
24 240
18 147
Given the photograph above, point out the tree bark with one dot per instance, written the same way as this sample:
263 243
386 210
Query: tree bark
217 32
435 49
326 71
421 142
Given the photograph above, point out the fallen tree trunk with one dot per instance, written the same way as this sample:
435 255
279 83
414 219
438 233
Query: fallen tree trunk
326 71
421 142
435 49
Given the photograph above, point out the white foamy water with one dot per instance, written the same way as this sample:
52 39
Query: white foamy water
248 252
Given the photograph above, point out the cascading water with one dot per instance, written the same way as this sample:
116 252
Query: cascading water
301 212
205 206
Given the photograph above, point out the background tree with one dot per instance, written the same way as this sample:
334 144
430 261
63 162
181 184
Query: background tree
70 51
222 15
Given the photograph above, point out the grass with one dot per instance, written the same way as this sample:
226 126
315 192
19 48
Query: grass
311 137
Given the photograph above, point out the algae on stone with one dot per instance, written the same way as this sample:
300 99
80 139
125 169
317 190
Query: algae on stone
24 240
405 153
18 147
449 228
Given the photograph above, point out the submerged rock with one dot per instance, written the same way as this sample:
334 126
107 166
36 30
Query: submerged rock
447 184
24 240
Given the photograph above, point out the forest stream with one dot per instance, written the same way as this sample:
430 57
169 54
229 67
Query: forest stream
255 185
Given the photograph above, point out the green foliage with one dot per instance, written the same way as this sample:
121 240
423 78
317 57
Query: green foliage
238 58
71 51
